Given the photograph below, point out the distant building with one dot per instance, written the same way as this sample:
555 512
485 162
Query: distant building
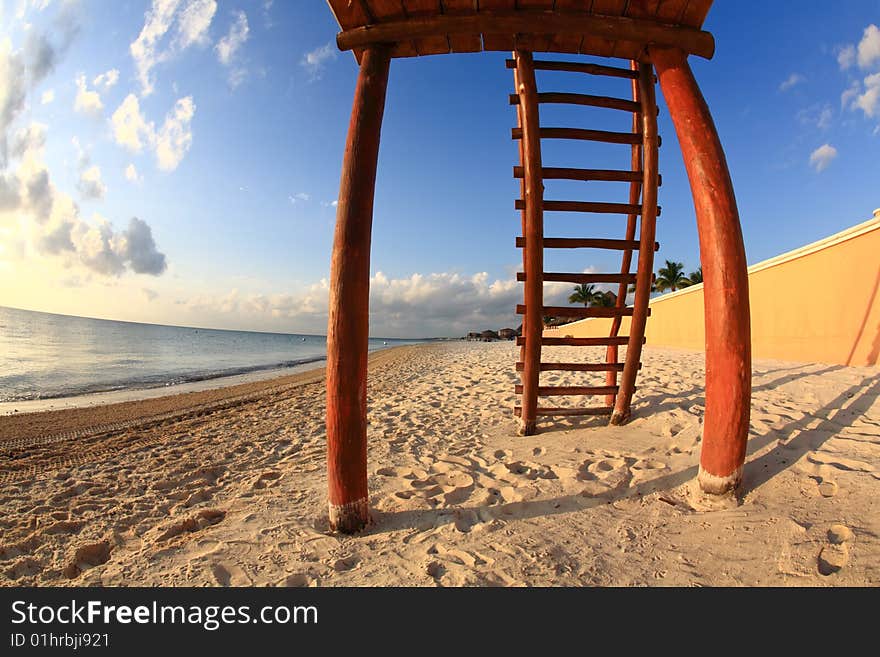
507 334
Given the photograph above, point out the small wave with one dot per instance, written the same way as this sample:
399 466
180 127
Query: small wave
158 381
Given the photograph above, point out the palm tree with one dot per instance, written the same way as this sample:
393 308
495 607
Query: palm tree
671 277
696 277
583 293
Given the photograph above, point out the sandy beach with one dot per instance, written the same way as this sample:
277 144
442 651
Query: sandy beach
228 487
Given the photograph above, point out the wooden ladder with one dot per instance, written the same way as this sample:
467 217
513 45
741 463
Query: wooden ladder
643 179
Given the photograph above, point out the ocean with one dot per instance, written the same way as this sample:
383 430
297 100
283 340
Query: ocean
45 356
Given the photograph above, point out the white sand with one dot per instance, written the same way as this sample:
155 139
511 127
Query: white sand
237 495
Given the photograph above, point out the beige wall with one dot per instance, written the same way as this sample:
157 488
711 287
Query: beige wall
820 303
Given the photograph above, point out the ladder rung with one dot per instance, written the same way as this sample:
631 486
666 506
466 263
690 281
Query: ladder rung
587 206
580 67
579 342
559 277
584 134
563 391
569 311
587 175
599 410
576 367
587 243
607 102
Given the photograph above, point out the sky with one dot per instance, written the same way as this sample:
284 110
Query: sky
177 161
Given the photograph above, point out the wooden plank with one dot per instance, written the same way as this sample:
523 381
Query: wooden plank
462 42
602 46
670 11
576 367
588 100
534 42
585 206
497 41
564 277
584 134
435 45
579 67
622 29
574 311
391 11
565 391
563 412
695 13
587 243
587 175
579 342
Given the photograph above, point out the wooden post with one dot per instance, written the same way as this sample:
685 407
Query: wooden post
348 326
725 279
635 193
647 231
533 187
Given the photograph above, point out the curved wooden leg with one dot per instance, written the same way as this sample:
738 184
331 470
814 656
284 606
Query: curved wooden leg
725 279
348 326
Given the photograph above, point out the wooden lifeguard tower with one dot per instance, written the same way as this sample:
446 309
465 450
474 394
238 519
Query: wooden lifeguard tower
651 35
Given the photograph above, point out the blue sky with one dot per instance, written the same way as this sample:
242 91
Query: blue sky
220 126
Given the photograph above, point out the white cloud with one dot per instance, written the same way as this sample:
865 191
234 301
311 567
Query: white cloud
170 143
229 45
143 50
792 80
87 102
195 19
816 115
329 204
315 61
132 175
850 93
869 101
869 47
107 79
237 76
47 97
175 138
90 184
152 46
822 157
148 294
846 57
130 128
420 305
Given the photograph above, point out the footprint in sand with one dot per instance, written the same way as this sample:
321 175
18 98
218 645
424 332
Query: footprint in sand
226 574
835 556
828 488
194 523
88 556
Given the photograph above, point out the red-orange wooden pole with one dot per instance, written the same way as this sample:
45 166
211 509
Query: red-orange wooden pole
647 232
635 193
348 326
725 279
533 185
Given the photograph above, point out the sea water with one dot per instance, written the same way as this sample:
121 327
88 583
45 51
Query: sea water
44 356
